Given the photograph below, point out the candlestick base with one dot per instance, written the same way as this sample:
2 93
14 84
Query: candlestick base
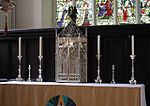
98 80
19 79
39 79
132 81
29 80
113 82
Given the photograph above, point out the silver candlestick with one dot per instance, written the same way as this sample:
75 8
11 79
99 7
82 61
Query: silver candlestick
113 74
132 81
98 79
19 69
29 76
40 79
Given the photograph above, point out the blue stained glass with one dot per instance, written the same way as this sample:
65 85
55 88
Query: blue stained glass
84 12
104 12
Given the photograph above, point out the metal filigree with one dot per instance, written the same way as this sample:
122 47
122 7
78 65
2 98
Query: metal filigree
71 55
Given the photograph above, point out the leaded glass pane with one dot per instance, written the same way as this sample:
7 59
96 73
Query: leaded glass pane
145 11
126 11
84 12
104 12
61 12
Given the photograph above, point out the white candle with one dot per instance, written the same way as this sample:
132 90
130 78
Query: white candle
19 51
132 44
29 71
98 44
40 46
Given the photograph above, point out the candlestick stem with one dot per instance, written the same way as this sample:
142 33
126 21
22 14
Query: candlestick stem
40 79
98 79
113 74
19 78
132 81
29 76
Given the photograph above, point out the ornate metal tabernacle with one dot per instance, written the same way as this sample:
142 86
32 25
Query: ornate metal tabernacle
71 55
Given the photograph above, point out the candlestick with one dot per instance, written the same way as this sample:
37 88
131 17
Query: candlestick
98 45
19 78
40 46
19 50
98 79
113 74
29 76
132 81
132 44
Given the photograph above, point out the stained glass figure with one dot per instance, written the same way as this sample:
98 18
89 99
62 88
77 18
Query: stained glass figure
62 12
85 17
126 11
72 13
145 11
104 12
81 14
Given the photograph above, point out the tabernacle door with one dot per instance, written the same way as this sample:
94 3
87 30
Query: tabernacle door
71 55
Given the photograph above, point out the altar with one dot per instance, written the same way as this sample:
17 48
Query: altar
115 50
82 94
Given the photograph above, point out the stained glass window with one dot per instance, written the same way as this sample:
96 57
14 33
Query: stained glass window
126 11
61 12
145 11
104 12
84 12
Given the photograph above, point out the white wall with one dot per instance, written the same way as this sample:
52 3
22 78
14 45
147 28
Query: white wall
48 13
31 14
28 14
